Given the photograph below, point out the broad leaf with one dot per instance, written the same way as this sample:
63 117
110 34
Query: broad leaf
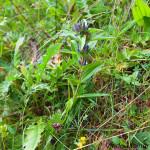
92 68
50 52
82 42
141 13
33 135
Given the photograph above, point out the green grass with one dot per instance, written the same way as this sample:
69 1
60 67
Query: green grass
49 97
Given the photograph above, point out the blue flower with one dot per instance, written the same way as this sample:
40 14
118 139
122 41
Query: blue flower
86 47
84 62
80 27
78 49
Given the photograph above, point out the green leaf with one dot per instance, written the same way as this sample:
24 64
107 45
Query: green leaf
67 33
118 141
101 37
92 44
90 30
3 130
71 78
140 11
93 68
12 130
69 104
146 21
131 78
26 74
50 52
93 95
67 51
33 135
67 64
56 118
127 26
42 86
17 52
142 138
82 42
4 86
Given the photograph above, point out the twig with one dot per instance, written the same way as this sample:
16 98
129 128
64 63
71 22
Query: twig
121 110
112 137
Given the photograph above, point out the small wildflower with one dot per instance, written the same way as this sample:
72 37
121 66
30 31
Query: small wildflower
84 62
79 145
79 62
83 140
86 47
87 27
78 49
80 27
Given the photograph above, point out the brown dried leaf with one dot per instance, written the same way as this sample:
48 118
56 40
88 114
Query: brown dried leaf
56 60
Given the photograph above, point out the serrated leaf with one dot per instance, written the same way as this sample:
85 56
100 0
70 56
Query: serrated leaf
141 13
33 135
56 118
4 86
131 78
116 141
142 138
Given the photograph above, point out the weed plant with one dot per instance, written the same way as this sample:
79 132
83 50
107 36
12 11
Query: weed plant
74 74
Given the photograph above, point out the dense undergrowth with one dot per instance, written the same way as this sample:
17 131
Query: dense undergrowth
73 74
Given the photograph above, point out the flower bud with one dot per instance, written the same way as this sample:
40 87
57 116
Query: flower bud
86 47
78 49
84 62
86 28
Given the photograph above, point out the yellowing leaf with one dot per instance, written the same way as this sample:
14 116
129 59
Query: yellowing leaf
5 48
121 66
